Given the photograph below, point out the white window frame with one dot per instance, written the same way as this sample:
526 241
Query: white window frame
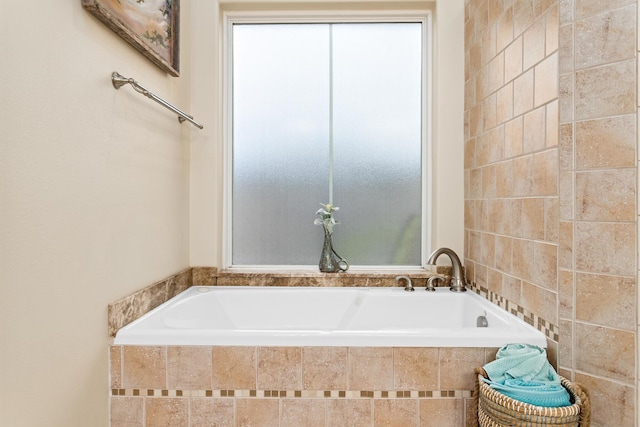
423 17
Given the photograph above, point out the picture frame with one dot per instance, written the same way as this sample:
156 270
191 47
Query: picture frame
151 26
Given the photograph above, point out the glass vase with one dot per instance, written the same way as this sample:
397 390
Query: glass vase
330 261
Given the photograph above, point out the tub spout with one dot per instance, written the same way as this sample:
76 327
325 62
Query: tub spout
408 285
457 277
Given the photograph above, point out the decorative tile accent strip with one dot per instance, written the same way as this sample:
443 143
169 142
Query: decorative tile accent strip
550 330
298 394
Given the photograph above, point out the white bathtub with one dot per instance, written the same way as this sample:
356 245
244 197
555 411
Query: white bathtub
325 316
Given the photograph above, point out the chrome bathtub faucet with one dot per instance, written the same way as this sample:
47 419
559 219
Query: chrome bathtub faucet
409 285
457 277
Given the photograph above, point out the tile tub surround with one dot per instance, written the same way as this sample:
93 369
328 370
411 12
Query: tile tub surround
314 278
293 386
550 330
512 202
139 303
131 307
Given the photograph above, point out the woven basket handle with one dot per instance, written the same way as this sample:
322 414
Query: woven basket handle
585 407
476 395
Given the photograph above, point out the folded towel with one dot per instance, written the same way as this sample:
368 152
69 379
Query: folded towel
538 393
523 361
522 372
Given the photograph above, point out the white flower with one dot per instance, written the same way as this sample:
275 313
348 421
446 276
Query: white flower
326 216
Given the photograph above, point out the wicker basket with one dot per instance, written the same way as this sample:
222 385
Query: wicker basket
494 409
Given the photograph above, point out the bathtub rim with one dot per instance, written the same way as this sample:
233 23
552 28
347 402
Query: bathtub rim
442 338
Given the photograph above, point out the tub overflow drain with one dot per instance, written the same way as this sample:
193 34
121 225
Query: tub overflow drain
482 322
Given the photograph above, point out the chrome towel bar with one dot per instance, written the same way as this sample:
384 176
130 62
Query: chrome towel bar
118 81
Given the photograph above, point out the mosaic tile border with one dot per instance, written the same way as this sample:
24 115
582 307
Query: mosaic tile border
300 394
550 330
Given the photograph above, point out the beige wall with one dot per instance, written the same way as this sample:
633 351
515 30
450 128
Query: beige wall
93 203
207 148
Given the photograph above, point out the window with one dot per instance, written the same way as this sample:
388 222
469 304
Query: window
327 112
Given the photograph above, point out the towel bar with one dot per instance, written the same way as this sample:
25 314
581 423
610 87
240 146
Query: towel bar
118 81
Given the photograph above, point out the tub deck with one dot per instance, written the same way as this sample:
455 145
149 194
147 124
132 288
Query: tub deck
324 316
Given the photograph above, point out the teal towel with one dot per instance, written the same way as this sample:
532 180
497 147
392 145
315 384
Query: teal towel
522 372
538 393
523 361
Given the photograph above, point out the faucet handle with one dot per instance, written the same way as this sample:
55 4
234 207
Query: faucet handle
408 284
430 282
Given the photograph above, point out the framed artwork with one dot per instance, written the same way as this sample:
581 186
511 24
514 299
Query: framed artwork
151 26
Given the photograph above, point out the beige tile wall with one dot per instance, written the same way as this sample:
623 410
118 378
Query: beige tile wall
293 386
628 132
599 220
512 202
551 179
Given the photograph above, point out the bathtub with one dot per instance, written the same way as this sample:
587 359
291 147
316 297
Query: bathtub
327 316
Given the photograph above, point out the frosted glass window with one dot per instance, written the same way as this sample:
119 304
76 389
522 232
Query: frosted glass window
327 113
